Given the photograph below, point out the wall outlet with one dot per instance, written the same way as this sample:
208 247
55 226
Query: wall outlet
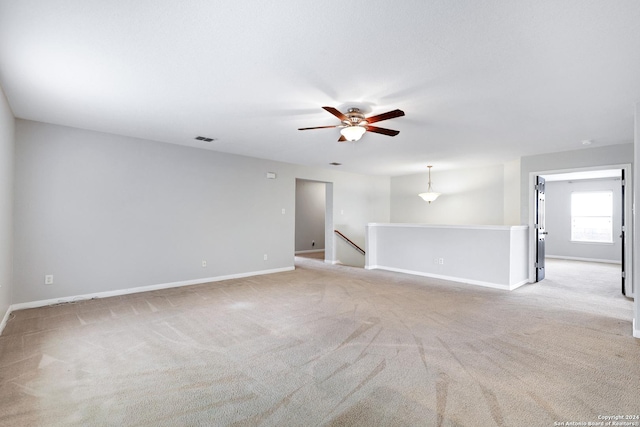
204 263
441 261
265 257
48 279
435 261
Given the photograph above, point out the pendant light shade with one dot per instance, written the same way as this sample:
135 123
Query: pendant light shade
430 195
353 133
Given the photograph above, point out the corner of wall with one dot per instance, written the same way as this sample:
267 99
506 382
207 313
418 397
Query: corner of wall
636 226
512 193
7 165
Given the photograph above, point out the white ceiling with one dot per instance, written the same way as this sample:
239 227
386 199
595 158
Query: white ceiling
481 82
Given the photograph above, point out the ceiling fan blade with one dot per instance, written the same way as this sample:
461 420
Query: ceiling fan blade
385 116
319 127
336 113
388 132
342 138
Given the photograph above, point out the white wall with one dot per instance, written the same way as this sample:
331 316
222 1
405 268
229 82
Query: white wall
469 197
310 207
493 256
584 158
512 193
7 130
357 200
636 225
558 221
103 212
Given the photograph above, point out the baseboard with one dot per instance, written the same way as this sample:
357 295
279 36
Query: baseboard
636 331
450 278
312 251
573 258
517 285
43 303
5 319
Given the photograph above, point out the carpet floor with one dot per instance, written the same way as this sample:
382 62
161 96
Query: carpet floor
329 345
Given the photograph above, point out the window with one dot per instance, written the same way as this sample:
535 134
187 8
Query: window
591 216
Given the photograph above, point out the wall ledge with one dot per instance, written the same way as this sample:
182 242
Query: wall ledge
464 227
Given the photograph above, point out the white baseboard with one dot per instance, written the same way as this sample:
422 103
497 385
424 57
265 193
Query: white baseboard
573 258
312 251
636 331
518 284
5 319
43 303
450 278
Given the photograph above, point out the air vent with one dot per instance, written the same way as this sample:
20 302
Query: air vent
205 139
335 164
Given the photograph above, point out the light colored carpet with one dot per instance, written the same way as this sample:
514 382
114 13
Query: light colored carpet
328 345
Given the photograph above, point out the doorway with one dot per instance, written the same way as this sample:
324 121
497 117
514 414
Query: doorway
586 286
314 219
563 238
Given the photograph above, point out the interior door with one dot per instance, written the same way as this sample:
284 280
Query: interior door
541 231
622 236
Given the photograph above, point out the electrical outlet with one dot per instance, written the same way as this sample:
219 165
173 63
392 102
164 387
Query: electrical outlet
435 261
265 257
441 261
48 279
204 263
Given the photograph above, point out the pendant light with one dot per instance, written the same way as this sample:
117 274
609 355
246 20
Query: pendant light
430 195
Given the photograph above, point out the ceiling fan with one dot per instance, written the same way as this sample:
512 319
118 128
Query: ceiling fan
355 124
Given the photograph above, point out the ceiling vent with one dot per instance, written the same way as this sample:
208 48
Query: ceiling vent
205 139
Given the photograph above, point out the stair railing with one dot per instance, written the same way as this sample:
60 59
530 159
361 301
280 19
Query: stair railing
346 239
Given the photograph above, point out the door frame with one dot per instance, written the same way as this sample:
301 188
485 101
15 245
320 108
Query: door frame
329 237
628 205
540 226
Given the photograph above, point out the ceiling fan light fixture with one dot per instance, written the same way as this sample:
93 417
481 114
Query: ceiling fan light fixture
354 124
353 133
